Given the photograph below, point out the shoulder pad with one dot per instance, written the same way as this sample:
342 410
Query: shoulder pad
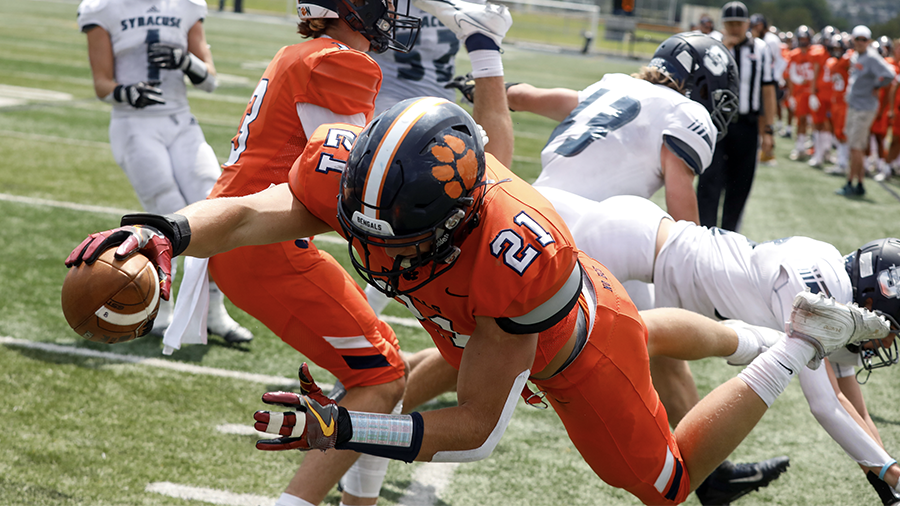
91 7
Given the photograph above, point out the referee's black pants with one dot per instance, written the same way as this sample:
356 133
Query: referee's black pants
732 169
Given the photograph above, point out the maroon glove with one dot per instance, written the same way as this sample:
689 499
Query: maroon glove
314 424
130 240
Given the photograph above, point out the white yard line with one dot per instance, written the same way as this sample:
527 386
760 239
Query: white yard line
428 483
209 495
155 362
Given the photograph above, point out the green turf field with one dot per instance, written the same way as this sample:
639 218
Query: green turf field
95 430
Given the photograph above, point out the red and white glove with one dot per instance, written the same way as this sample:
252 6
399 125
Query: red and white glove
792 104
130 240
317 422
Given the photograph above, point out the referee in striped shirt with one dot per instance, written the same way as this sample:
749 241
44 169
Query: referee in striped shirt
734 161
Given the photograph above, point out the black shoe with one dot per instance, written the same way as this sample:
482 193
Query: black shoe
730 481
859 191
885 492
847 190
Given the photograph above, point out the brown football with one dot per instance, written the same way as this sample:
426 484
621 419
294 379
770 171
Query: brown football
111 301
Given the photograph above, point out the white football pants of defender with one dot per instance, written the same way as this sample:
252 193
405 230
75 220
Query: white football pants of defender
166 159
627 247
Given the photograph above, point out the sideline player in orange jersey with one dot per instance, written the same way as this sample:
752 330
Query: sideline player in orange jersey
804 66
893 156
418 198
839 68
878 154
821 115
878 132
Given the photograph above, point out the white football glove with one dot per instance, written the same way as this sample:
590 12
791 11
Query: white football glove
814 103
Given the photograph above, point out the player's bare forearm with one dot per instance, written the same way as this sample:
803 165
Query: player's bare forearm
198 46
485 384
102 59
681 201
553 103
270 216
492 113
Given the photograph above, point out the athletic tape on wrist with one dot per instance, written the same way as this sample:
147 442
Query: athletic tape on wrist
174 226
884 469
397 437
198 73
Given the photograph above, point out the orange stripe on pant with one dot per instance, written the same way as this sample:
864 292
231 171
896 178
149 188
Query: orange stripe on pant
308 300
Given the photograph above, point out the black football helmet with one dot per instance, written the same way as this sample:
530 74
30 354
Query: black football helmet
707 71
874 271
374 19
414 178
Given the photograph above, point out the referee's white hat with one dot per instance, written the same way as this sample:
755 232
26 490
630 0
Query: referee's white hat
735 11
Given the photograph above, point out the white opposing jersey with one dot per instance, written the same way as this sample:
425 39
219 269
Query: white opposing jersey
610 143
133 25
423 71
724 275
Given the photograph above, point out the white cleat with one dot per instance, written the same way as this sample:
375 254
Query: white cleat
765 338
465 18
828 325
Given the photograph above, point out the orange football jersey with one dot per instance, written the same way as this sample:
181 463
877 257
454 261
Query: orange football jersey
820 58
519 256
839 68
802 69
322 72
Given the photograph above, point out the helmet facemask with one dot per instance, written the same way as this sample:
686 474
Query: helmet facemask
874 271
373 19
379 24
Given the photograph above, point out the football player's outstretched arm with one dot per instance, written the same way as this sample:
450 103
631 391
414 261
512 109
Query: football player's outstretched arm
270 216
487 393
681 201
553 103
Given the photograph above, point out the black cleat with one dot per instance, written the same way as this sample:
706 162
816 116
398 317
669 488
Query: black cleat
885 492
730 481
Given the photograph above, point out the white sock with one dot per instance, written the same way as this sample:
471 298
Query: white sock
217 318
291 500
801 143
769 374
377 300
366 475
826 144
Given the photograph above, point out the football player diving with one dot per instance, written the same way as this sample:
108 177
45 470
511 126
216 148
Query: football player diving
724 275
490 270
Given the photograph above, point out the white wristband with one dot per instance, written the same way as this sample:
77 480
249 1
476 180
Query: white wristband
486 63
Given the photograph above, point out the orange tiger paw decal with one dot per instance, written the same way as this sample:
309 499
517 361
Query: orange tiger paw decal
461 170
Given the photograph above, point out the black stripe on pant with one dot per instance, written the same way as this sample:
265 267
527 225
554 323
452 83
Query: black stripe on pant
731 172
